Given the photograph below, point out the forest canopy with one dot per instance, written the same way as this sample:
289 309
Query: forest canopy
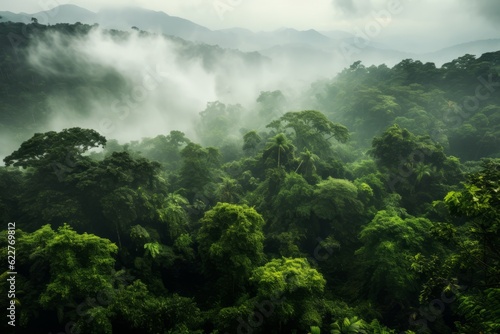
372 208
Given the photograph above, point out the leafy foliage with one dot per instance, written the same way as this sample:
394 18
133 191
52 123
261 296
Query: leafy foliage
280 229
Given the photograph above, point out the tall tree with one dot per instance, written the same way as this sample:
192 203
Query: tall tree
279 150
57 149
231 246
294 288
311 129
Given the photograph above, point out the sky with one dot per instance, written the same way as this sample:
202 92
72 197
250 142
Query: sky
412 25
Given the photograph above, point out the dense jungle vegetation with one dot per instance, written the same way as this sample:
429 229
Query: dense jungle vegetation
375 209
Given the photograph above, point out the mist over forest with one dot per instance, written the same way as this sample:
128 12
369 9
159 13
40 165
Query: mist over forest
225 181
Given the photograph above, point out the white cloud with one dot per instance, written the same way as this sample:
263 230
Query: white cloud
423 25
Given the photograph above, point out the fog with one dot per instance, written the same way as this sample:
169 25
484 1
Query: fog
141 85
157 96
128 86
152 84
421 26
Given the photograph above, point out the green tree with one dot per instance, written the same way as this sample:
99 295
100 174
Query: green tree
476 255
251 141
135 308
12 183
291 225
271 104
58 150
479 202
336 201
173 213
390 243
311 129
294 287
60 269
228 191
197 168
416 167
217 120
164 149
278 151
119 207
231 245
307 165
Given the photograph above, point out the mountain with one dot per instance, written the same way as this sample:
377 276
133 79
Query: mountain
336 34
66 14
125 18
286 45
116 18
247 40
476 48
9 16
59 14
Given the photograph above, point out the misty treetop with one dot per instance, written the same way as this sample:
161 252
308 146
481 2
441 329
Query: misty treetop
366 203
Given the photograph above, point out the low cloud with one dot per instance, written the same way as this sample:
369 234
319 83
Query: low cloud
345 6
489 9
132 86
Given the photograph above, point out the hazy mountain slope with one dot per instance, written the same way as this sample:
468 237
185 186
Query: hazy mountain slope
289 46
66 14
476 48
12 17
63 75
149 20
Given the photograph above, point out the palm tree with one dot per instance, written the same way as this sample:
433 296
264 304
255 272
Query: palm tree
307 163
228 191
280 147
422 170
174 214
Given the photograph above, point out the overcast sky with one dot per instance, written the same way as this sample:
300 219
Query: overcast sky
414 25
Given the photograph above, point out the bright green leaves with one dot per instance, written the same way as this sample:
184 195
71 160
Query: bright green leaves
349 326
471 202
288 276
480 198
336 198
80 265
481 311
71 269
389 244
139 234
295 285
173 214
293 201
478 238
152 248
231 242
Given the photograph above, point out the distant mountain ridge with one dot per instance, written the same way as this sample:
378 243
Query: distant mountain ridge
298 46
